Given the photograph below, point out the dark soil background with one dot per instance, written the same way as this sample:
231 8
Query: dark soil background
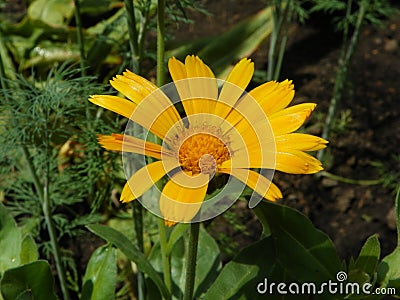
348 213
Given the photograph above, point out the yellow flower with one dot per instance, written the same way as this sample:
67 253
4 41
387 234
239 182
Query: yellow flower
223 130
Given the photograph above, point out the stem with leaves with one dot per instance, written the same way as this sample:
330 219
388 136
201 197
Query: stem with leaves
281 16
133 35
160 82
137 209
79 33
42 192
342 74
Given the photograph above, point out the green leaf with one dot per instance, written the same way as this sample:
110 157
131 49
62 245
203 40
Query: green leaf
9 68
241 40
242 271
176 234
208 261
10 241
130 250
101 275
388 269
305 252
52 12
30 281
292 251
368 259
363 270
29 251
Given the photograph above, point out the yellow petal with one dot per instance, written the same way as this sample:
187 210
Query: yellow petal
142 180
180 203
299 141
176 69
273 96
257 182
241 73
150 107
263 158
297 162
233 88
195 83
115 104
291 118
129 88
195 67
140 81
145 117
119 142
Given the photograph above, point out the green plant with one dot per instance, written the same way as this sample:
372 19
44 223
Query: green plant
46 149
353 16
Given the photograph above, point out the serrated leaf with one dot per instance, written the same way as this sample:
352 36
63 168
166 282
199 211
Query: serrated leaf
131 251
101 275
29 281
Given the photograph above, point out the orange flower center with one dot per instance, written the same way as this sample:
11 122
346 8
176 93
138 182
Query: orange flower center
202 153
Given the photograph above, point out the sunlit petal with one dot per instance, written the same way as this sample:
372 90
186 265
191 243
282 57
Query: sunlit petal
180 203
256 182
291 118
142 180
116 104
299 141
236 83
126 143
273 96
297 162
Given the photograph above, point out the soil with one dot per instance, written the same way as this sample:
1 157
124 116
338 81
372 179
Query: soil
348 213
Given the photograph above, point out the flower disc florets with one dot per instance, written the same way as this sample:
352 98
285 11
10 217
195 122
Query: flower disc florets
201 149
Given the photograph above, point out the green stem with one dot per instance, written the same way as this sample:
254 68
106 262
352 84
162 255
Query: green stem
53 241
279 18
350 180
397 211
32 172
143 27
342 74
133 35
160 82
160 42
165 257
80 36
287 17
191 261
137 211
273 42
45 201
